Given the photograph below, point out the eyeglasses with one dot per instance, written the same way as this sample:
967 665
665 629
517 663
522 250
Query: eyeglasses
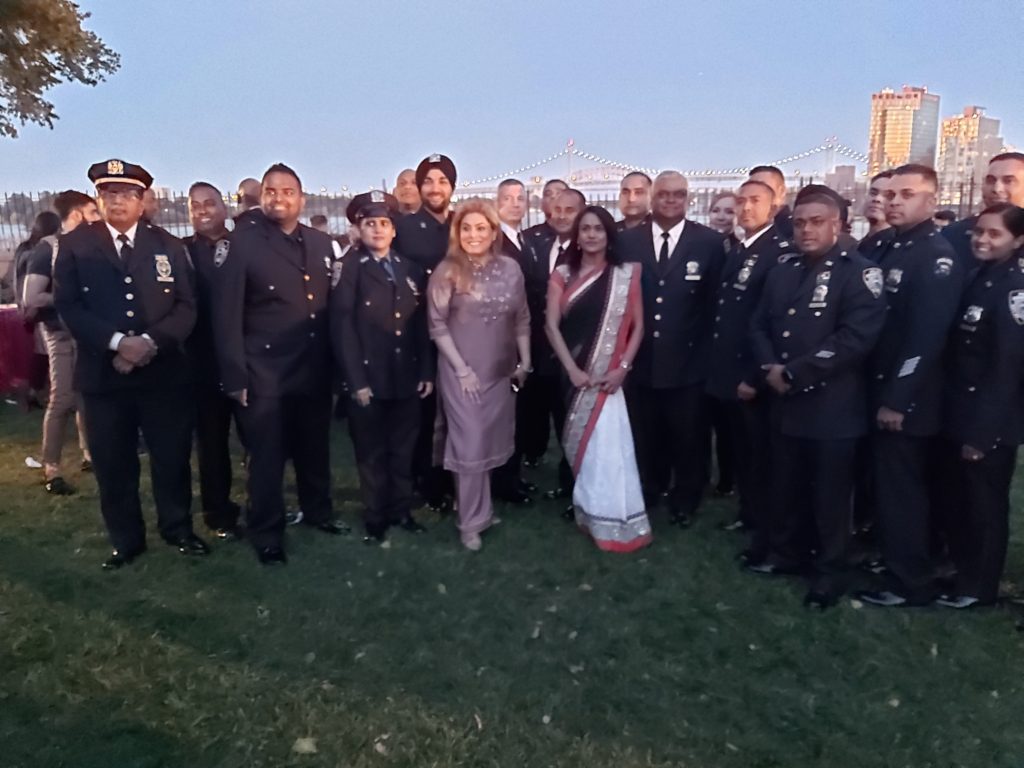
115 194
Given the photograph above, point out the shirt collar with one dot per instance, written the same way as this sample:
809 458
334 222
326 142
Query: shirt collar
673 233
130 233
749 241
510 233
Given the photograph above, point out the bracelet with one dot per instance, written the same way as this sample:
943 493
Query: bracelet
626 365
519 366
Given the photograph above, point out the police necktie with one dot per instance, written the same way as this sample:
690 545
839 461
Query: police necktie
519 237
561 255
663 253
386 263
126 247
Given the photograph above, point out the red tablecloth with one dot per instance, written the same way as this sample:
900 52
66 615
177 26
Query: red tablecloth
17 348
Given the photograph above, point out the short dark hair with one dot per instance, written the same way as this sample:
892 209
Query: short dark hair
575 256
946 215
821 198
70 200
46 223
641 174
204 185
748 183
1012 216
509 183
317 219
768 169
881 175
281 168
918 169
1018 156
549 182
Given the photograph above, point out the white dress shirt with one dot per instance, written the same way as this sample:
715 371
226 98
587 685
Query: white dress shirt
512 234
673 237
130 234
553 254
749 241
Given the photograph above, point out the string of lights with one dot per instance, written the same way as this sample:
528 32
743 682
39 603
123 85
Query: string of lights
830 145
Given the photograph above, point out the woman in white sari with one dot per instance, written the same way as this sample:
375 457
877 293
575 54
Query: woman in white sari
595 324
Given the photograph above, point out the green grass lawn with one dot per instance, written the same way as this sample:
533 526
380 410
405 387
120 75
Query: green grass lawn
538 651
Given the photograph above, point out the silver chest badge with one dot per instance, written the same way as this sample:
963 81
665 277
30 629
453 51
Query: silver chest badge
693 270
163 268
973 314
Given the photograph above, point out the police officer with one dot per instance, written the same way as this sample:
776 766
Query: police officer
733 378
682 261
208 246
984 408
1003 183
271 336
380 341
818 318
634 200
422 238
552 189
923 281
125 291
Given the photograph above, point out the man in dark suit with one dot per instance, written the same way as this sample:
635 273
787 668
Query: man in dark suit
380 341
682 261
634 200
1003 183
422 238
507 482
733 378
923 282
541 400
208 246
273 347
776 179
819 316
125 290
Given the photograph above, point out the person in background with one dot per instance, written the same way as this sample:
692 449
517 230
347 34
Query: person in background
634 200
722 217
551 190
29 364
776 179
595 325
874 211
944 218
150 206
1003 183
248 197
479 319
406 192
984 409
74 208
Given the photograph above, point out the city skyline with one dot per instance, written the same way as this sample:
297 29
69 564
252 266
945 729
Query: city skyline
354 98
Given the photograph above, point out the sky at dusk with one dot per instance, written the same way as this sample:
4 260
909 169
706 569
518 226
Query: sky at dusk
348 93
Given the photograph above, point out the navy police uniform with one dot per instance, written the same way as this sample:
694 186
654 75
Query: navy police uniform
270 296
959 236
922 281
665 391
983 408
380 341
213 407
140 286
818 317
732 362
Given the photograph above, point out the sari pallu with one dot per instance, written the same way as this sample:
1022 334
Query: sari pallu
596 317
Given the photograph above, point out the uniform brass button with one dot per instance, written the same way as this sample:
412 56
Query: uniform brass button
312 335
129 296
398 314
970 389
715 335
785 356
367 303
266 346
128 280
312 316
791 311
85 289
130 313
306 278
657 334
661 282
785 334
270 287
659 299
309 296
657 317
398 333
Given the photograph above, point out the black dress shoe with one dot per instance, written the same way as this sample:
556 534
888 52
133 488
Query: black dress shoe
410 524
333 527
58 487
271 555
557 493
119 558
227 532
375 534
515 497
680 518
191 545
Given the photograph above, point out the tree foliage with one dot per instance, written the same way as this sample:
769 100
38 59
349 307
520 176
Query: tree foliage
42 43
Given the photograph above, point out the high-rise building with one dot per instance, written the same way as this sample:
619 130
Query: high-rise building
903 128
966 143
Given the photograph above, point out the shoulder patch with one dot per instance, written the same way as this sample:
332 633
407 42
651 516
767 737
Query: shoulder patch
783 258
873 280
943 266
220 252
1016 301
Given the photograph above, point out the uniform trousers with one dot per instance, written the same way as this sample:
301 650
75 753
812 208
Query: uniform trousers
432 482
272 430
749 429
213 451
384 436
812 495
113 421
975 501
670 430
900 479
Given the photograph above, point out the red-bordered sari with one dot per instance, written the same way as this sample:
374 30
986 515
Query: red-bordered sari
596 317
